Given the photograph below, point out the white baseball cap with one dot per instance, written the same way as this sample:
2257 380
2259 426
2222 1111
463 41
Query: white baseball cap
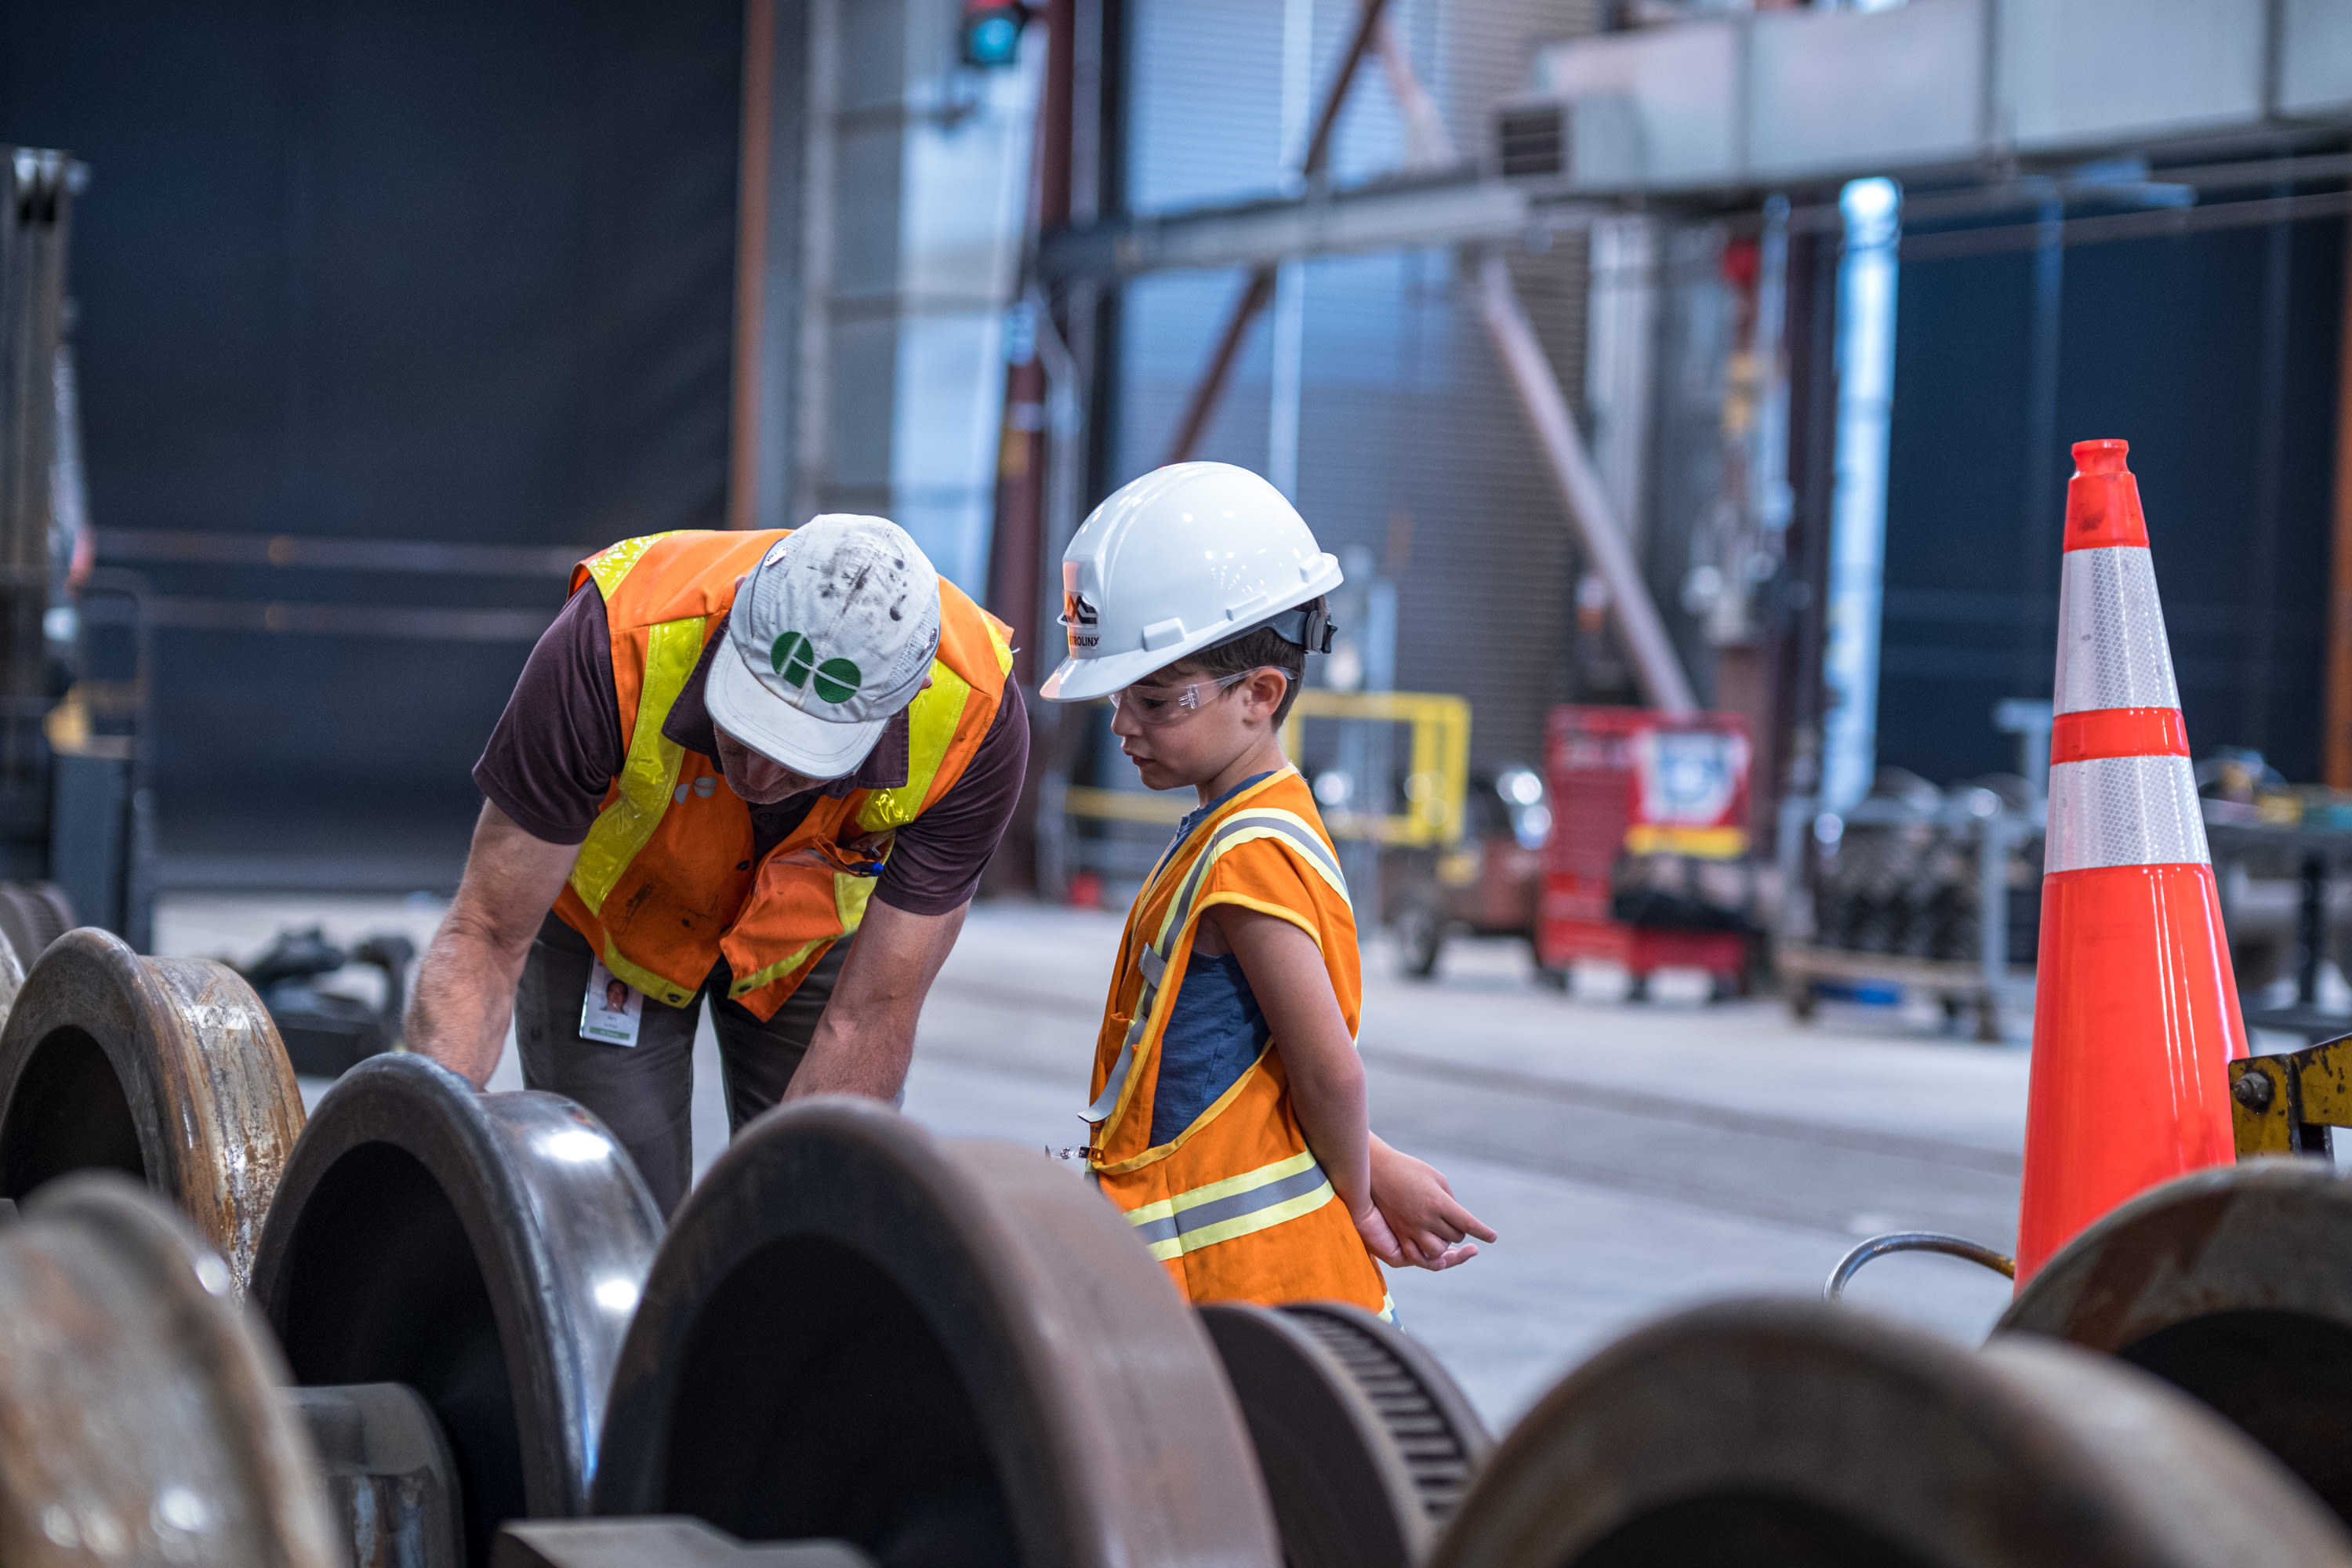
831 636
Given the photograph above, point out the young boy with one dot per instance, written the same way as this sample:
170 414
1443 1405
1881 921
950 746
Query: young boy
1229 1118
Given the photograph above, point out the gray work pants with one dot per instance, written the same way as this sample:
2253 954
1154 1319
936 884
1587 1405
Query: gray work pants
645 1093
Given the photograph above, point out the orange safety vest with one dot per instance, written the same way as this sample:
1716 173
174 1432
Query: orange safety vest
664 886
1235 1205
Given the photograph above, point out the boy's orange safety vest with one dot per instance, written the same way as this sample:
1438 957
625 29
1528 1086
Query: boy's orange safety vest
664 886
1235 1205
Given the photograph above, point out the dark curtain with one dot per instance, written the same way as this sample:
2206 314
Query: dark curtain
448 272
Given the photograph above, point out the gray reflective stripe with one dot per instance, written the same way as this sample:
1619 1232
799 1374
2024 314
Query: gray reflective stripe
1200 1216
1107 1100
1307 843
2125 811
1181 909
1154 962
2112 651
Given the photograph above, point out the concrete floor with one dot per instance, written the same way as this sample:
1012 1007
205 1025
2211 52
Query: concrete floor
1634 1157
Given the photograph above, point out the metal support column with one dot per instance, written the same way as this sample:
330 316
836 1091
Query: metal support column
1655 666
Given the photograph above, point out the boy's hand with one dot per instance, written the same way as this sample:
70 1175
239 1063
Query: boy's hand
1426 1225
1379 1240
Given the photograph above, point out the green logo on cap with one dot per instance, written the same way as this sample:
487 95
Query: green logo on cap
794 657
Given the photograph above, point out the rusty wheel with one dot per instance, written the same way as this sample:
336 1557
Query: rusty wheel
948 1352
2234 1284
486 1250
1796 1433
140 1419
1365 1442
167 1070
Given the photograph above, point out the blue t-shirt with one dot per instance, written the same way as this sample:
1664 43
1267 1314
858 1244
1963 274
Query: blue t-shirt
1215 1028
1215 1032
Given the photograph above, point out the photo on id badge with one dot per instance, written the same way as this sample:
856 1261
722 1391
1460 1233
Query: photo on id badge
610 1010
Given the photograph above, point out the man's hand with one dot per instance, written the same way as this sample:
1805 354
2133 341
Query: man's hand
466 985
1430 1226
866 1037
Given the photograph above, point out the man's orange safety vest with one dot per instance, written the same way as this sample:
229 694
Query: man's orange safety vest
1235 1205
664 886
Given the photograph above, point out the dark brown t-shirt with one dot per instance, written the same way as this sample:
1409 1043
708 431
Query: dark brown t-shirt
558 745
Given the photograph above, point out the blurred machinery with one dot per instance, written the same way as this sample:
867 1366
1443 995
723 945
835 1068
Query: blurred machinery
37 191
326 1032
2276 851
1647 866
74 800
1490 884
1917 891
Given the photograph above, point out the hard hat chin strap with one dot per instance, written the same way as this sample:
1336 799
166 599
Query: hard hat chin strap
1308 626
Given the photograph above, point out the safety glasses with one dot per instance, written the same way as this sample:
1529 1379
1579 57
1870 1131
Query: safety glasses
1156 707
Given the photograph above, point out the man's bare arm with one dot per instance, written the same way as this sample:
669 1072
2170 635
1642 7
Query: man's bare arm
466 987
866 1037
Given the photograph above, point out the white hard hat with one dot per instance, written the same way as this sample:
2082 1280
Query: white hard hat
1186 556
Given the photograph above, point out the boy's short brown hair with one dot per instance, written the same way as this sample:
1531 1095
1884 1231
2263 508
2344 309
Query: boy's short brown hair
1255 650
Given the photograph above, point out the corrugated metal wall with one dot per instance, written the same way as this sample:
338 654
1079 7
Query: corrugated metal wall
1410 445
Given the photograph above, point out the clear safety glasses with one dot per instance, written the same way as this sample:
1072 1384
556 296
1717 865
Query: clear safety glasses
1156 707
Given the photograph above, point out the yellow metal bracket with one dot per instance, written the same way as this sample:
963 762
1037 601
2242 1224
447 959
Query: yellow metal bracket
2283 1104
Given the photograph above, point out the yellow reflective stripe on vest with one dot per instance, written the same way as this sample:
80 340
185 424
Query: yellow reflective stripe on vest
614 564
659 986
932 721
1242 827
743 986
648 773
1237 1206
850 894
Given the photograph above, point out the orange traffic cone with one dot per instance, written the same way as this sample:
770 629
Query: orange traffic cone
2136 1013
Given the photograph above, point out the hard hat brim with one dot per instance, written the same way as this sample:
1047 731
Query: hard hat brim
1077 679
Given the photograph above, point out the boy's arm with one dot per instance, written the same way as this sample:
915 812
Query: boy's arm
1431 1226
1285 973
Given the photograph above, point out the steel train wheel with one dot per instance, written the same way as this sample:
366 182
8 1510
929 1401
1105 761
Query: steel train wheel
1768 1433
2235 1284
140 1415
1366 1444
950 1352
487 1250
167 1070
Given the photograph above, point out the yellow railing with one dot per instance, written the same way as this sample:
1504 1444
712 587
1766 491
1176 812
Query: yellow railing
1437 781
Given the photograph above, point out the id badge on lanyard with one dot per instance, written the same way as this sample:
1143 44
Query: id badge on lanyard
611 1008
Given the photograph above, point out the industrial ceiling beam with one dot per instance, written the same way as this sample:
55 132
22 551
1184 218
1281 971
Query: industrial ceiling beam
1393 215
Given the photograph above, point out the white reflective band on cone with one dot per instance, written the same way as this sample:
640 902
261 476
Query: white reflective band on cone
2111 646
2125 811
